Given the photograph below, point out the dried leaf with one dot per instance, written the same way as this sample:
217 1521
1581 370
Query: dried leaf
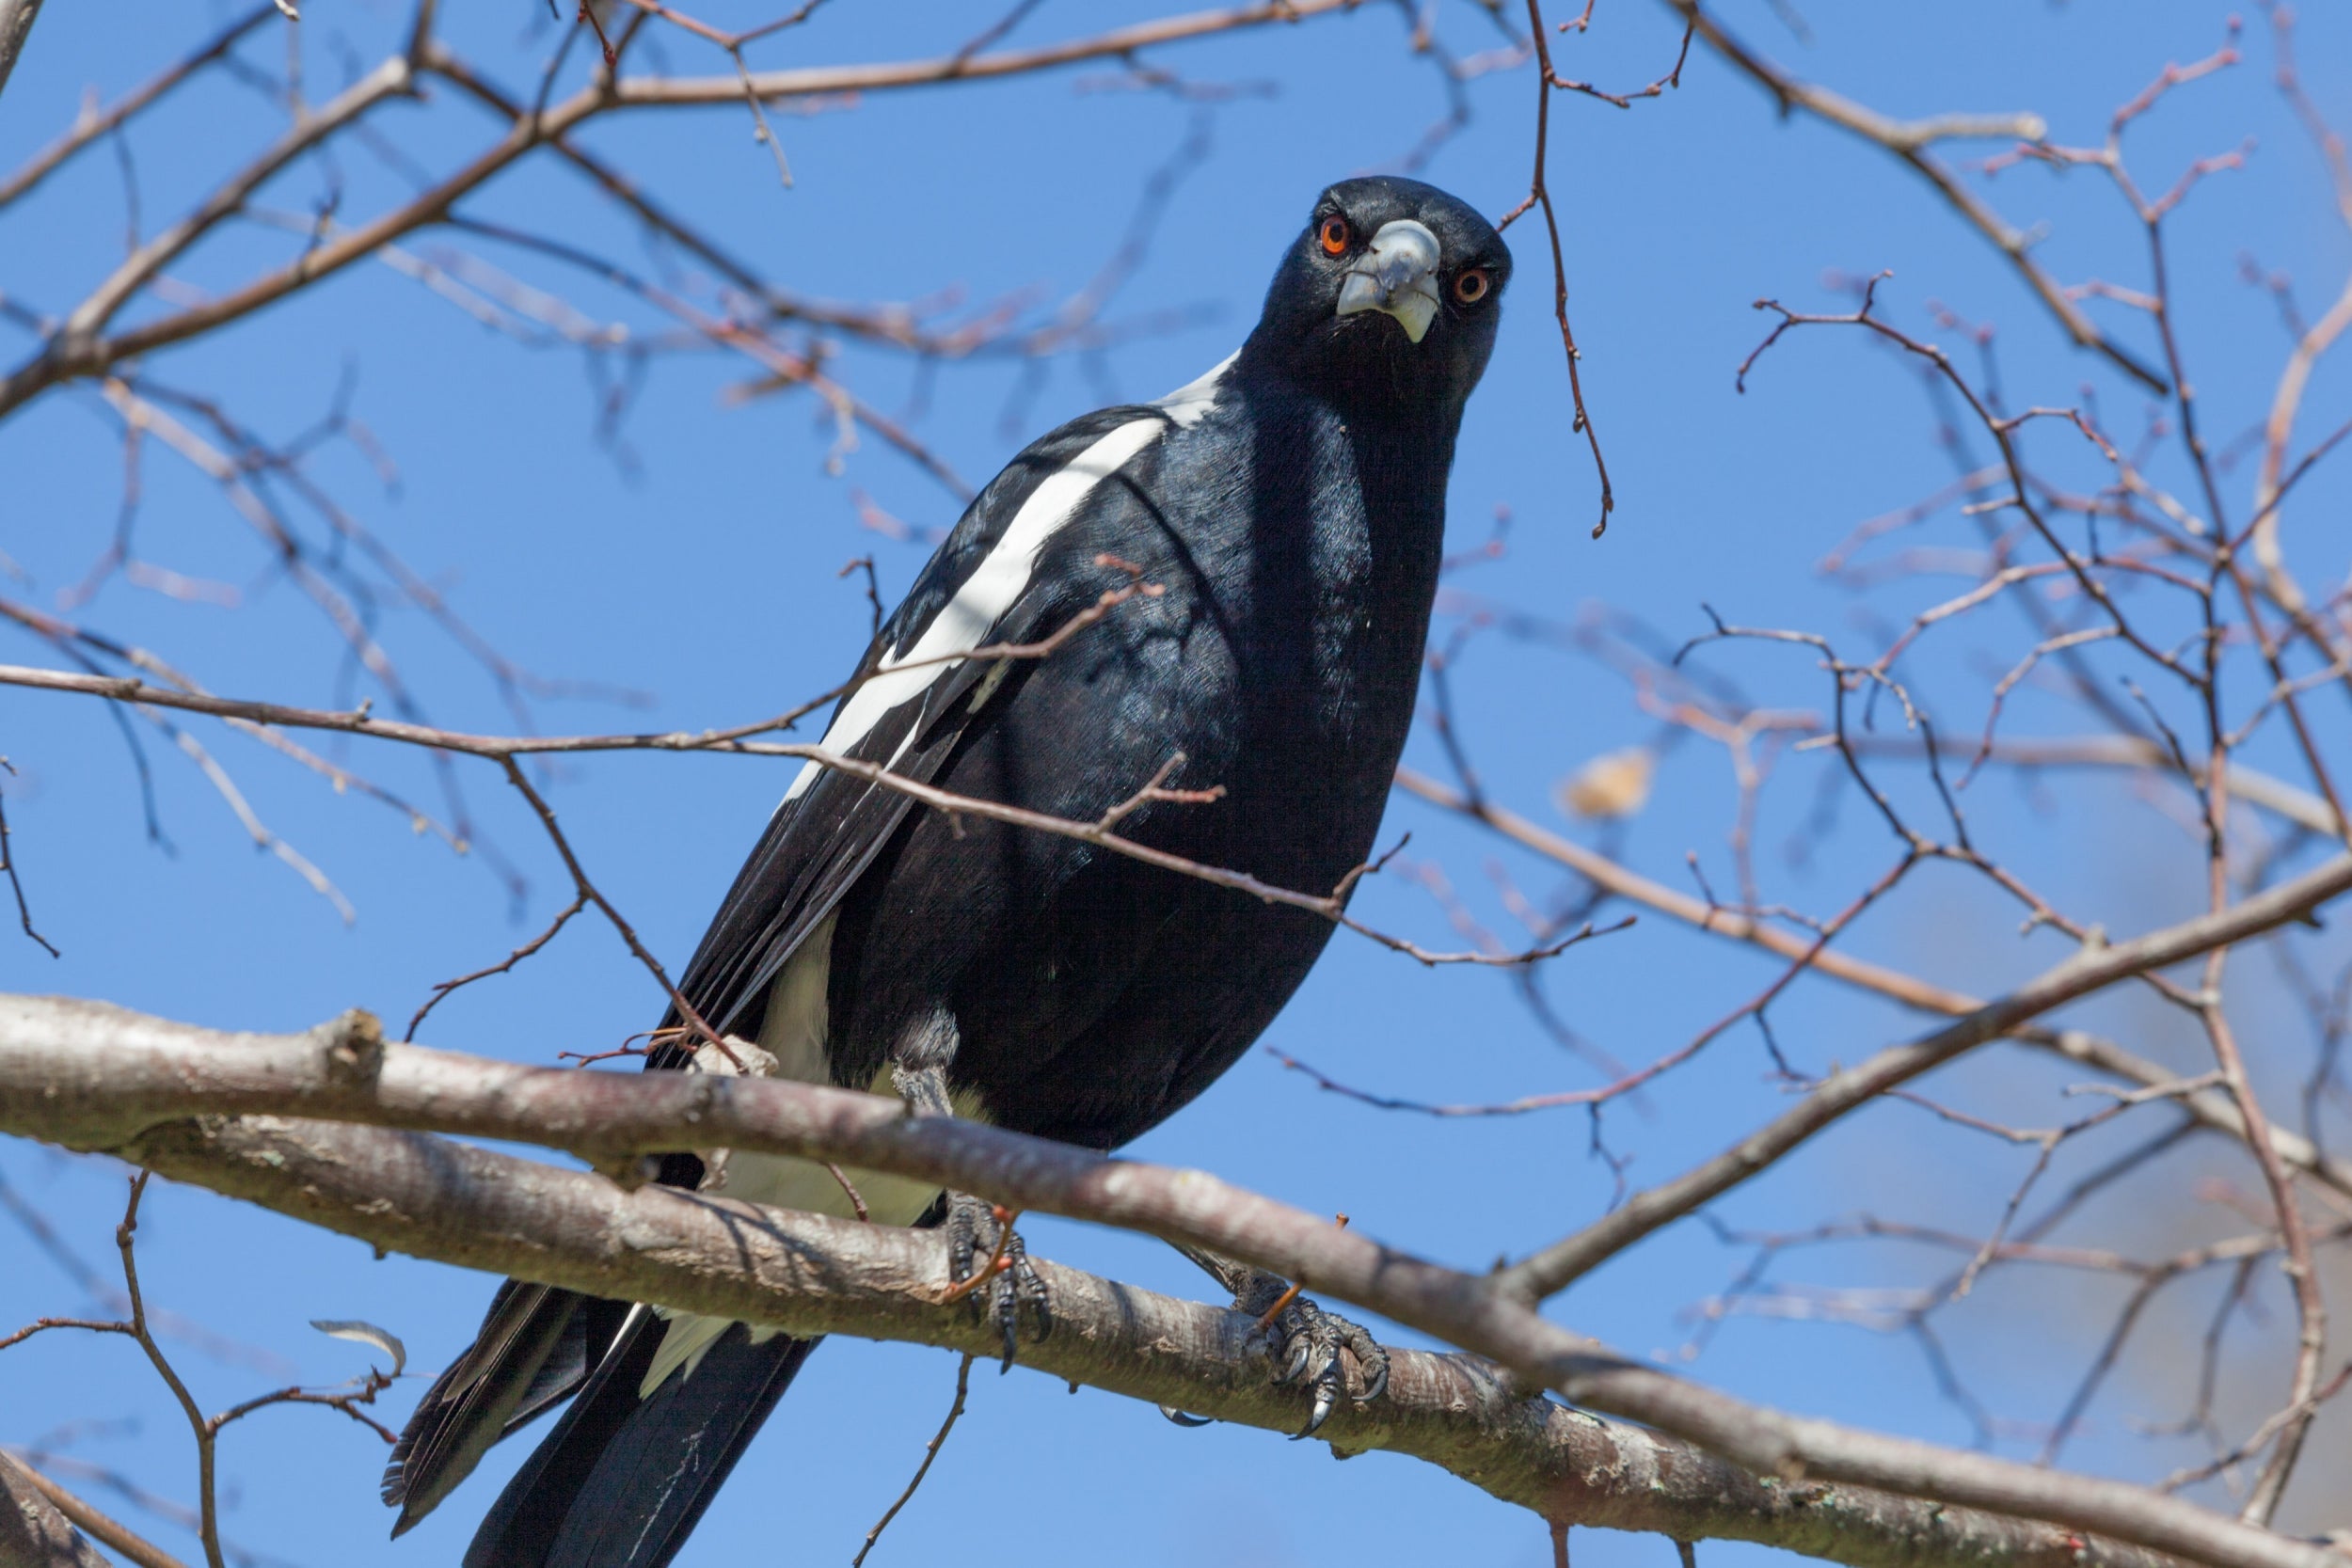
1615 783
365 1334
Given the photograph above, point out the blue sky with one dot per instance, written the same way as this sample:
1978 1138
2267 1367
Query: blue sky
699 566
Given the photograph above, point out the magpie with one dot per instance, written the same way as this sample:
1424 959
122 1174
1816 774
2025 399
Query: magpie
1276 527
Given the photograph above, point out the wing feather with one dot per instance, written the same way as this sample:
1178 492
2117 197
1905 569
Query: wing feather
537 1344
905 710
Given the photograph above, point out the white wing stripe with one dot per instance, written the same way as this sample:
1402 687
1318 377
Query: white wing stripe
963 624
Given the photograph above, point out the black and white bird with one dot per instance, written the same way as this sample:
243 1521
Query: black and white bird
1288 508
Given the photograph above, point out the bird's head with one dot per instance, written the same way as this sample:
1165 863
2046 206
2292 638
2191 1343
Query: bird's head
1388 298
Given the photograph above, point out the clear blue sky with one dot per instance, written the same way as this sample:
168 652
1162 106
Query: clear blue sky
702 570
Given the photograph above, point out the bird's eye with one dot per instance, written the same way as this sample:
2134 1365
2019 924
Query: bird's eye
1335 235
1471 286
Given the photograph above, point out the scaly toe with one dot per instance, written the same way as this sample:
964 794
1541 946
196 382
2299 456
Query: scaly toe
989 1267
1312 1346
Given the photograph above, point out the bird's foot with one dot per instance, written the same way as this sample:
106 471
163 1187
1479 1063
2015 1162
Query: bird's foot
989 1267
1312 1347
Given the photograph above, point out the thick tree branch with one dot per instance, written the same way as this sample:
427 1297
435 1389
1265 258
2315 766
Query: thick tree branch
16 25
815 1276
90 1075
810 1275
34 1530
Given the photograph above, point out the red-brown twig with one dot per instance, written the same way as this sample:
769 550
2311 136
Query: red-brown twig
1539 195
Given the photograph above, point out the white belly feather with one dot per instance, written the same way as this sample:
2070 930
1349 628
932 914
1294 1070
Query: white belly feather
793 1035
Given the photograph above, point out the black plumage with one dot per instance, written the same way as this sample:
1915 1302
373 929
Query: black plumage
1288 510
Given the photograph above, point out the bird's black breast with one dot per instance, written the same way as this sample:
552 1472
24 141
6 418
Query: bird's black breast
1291 559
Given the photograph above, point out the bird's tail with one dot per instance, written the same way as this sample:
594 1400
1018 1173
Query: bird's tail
625 1475
535 1346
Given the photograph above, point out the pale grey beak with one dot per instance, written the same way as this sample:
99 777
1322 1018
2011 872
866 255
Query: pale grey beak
1397 275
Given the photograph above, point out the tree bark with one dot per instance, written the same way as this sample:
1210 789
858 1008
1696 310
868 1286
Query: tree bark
811 1275
33 1533
16 25
205 1107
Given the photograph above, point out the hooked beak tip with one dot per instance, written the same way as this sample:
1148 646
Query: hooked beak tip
1397 277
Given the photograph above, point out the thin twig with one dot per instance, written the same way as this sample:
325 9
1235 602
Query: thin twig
930 1452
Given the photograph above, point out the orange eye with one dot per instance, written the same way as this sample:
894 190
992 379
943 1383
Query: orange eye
1335 235
1471 286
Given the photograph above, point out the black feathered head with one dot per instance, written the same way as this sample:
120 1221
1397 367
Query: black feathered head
1388 301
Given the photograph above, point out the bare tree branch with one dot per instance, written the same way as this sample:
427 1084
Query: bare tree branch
16 25
807 1275
1910 141
2092 968
90 128
83 348
504 749
35 1531
2215 1111
2122 553
90 1075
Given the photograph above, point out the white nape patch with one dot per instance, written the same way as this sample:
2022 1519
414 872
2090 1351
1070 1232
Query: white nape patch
964 622
1195 400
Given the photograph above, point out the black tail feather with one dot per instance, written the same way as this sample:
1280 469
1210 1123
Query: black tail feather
621 1481
531 1352
586 1340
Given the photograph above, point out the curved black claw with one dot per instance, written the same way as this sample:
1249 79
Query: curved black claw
982 1242
1306 1342
1183 1417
